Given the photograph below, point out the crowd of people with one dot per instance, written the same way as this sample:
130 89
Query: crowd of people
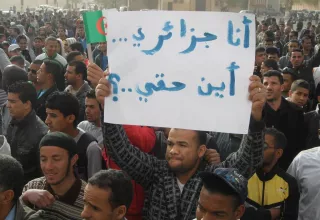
60 160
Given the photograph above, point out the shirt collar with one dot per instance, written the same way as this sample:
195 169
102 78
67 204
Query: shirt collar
12 214
70 196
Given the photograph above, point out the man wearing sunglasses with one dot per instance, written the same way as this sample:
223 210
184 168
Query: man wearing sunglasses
272 193
32 74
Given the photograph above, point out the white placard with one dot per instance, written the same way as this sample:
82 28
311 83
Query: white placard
181 69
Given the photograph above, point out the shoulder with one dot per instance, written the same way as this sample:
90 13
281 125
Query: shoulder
83 125
40 57
38 183
287 177
294 107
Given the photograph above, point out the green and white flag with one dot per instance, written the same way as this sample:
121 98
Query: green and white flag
95 25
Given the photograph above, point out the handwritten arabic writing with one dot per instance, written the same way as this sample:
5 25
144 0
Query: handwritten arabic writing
149 88
207 37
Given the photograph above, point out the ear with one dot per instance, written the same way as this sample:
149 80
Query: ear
240 211
120 212
279 153
202 150
74 159
290 93
7 196
71 118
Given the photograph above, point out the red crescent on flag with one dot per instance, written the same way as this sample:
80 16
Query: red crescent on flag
99 26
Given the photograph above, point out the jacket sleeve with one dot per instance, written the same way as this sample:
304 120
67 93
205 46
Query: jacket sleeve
250 154
94 156
142 167
314 61
290 207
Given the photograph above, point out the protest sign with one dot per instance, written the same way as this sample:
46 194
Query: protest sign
181 69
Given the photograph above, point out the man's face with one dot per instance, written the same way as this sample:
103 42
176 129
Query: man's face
269 153
277 35
3 38
56 120
268 44
274 88
81 31
16 52
260 57
296 59
306 44
51 47
15 106
42 75
292 46
23 44
92 110
282 26
55 164
48 27
183 151
264 69
97 205
292 37
273 56
213 206
264 28
32 72
300 96
287 81
38 43
103 46
70 75
61 32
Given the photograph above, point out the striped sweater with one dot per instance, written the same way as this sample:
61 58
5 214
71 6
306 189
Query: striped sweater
66 207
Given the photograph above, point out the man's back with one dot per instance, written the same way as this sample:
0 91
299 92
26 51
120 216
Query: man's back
24 137
305 168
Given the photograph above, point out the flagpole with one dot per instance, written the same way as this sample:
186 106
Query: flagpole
90 53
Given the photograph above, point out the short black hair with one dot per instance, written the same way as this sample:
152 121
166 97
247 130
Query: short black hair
270 35
26 92
270 63
294 41
295 33
291 72
21 37
300 83
260 50
280 140
37 62
269 40
11 176
80 68
303 39
218 186
91 94
71 56
77 46
18 59
53 67
276 73
38 38
118 183
296 50
66 103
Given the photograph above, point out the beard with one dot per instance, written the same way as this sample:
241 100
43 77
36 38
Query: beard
65 175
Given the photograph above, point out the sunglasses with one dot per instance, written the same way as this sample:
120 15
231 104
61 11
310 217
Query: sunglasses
32 71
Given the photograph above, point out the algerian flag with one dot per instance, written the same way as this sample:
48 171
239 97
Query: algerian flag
95 25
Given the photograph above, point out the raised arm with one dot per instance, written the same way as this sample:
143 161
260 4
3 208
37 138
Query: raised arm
250 154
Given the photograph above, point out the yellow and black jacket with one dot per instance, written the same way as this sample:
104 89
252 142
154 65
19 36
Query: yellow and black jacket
275 189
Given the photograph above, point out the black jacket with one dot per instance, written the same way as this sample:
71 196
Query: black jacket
24 137
41 103
312 127
289 120
276 189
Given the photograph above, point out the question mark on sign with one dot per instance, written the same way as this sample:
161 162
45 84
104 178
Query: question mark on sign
114 79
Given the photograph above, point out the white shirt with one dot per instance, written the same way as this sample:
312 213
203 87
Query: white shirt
306 169
180 185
